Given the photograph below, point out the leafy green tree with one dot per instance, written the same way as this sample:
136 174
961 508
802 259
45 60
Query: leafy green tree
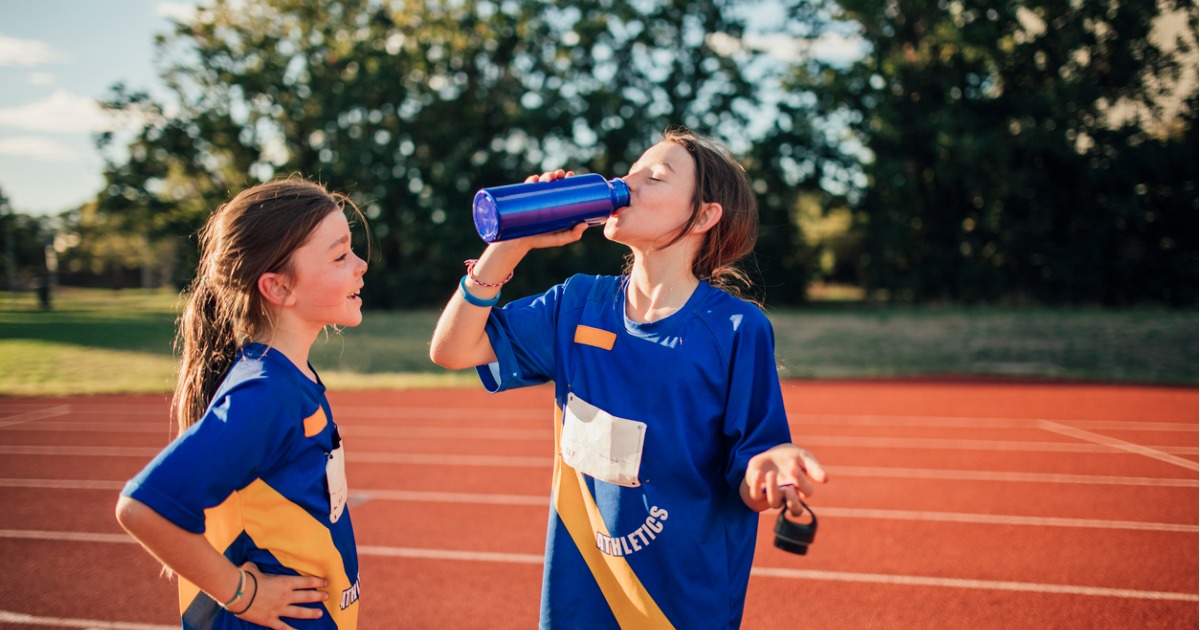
1016 150
412 106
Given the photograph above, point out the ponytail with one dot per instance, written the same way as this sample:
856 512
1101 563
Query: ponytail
207 343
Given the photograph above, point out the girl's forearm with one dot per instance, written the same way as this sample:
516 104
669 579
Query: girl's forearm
187 554
459 341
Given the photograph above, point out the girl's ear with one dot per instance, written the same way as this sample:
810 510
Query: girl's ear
710 215
273 287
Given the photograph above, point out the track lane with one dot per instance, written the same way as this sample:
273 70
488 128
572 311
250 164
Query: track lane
861 573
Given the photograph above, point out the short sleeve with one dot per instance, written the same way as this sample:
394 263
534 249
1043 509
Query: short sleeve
522 335
755 418
223 452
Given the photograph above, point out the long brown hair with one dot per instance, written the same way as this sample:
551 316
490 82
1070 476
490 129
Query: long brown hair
719 179
254 233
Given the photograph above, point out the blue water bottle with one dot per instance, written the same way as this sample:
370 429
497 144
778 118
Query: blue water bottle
508 212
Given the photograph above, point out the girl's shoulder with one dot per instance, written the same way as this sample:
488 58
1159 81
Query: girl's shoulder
732 312
582 287
263 372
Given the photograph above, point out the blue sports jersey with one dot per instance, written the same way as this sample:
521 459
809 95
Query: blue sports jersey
251 476
664 417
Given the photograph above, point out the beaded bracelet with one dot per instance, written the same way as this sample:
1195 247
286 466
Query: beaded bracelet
470 263
471 299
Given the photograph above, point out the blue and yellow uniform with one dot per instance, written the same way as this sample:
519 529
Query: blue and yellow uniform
256 475
655 424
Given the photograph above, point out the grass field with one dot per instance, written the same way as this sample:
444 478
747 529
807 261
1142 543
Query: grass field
103 341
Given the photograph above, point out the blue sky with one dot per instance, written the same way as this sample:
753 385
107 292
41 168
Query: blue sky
56 58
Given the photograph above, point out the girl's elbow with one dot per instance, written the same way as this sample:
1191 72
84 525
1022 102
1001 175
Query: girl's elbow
447 357
129 512
439 356
449 362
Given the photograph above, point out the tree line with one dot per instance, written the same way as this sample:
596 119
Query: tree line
1000 151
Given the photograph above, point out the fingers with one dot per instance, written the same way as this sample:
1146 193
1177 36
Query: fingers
280 596
549 176
300 612
812 467
771 488
793 499
303 583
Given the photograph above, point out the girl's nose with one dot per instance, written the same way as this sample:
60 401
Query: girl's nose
633 181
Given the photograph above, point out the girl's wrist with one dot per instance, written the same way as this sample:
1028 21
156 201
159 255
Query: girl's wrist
246 599
471 263
239 592
506 252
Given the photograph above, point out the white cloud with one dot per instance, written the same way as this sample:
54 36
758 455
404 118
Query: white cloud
64 112
27 53
42 78
37 148
177 11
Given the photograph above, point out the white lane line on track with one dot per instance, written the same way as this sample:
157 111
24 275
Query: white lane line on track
89 537
543 463
940 444
8 616
33 415
364 496
443 459
1120 445
879 472
450 554
765 572
1095 446
409 433
62 484
798 419
418 459
451 497
987 585
1003 519
360 496
81 451
808 420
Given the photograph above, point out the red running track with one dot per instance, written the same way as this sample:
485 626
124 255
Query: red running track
952 505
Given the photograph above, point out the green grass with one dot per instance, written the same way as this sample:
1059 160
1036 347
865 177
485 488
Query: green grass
1142 345
103 341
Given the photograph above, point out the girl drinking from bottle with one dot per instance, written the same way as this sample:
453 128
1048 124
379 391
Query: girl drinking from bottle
670 431
248 505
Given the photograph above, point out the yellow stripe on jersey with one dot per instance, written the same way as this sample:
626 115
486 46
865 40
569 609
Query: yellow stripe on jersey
596 337
314 423
628 599
300 542
222 525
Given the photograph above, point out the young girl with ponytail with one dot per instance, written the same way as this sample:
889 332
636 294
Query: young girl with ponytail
247 506
670 431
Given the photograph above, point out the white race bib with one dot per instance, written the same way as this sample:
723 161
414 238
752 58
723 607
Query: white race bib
335 475
601 445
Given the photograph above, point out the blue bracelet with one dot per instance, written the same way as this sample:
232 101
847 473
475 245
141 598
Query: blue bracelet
471 299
